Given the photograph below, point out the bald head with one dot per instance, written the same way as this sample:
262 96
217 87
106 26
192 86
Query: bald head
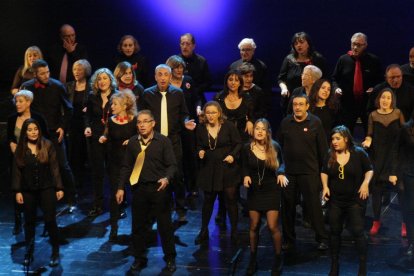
67 33
411 57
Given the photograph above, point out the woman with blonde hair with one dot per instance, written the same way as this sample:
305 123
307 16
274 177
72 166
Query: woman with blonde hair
263 173
98 111
25 72
120 127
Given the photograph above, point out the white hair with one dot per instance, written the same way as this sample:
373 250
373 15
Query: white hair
249 41
165 66
356 35
315 71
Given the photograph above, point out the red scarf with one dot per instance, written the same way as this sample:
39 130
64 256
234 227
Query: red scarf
39 85
123 86
358 81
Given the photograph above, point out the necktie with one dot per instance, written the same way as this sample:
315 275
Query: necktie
63 68
164 114
139 163
358 88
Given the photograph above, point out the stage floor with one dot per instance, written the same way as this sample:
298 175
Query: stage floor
85 249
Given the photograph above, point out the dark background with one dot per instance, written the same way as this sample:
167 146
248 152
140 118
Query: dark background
100 24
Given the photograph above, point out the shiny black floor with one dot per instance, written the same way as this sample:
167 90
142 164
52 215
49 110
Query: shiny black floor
85 249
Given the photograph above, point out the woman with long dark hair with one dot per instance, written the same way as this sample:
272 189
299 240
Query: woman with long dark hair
37 182
263 177
346 173
126 79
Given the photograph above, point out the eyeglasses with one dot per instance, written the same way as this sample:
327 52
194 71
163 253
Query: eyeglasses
144 122
341 172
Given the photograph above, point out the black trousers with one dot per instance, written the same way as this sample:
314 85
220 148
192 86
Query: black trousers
146 199
98 160
309 186
46 200
355 215
349 115
177 184
78 153
189 160
408 183
65 170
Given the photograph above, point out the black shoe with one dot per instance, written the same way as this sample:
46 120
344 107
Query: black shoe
71 208
28 258
44 233
170 267
202 236
410 250
54 260
113 235
138 264
362 270
123 214
322 246
277 265
252 268
334 267
94 212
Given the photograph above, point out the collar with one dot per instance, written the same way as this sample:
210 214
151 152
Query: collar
292 118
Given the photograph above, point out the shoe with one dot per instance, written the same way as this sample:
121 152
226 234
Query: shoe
54 259
182 218
410 250
170 267
362 270
44 233
322 246
202 236
94 212
28 258
252 268
376 224
277 265
113 235
334 267
138 264
123 214
71 208
403 230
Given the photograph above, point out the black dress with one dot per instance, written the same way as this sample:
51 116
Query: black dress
327 117
383 128
266 195
214 174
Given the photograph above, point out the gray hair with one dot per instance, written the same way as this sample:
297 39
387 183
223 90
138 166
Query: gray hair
315 71
28 95
85 64
356 35
163 66
249 41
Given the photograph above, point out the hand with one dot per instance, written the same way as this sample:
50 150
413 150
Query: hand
88 132
369 90
163 184
119 196
198 110
102 139
326 193
338 91
363 191
229 159
247 181
249 128
366 143
284 93
282 180
201 154
84 109
125 142
61 134
19 198
14 91
393 179
13 146
69 46
190 124
59 195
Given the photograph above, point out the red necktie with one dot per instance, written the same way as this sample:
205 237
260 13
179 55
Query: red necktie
358 81
63 68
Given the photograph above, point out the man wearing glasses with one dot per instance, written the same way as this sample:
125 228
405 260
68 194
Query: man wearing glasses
149 165
355 75
303 141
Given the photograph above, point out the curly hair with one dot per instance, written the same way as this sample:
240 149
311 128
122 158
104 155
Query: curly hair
128 98
94 79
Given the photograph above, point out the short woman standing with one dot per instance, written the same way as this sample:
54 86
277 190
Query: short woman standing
345 176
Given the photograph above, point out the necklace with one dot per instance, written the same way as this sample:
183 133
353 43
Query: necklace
211 137
258 172
260 149
121 119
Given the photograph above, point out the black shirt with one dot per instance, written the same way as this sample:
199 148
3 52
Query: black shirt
408 73
346 190
176 107
259 75
159 160
50 101
303 143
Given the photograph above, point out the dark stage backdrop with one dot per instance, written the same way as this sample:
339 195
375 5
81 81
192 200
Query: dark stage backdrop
218 26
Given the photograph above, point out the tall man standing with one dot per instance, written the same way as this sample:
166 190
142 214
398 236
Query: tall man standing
149 166
304 146
50 100
168 105
355 75
196 66
62 56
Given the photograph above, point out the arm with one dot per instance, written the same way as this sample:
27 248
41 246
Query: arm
54 167
282 77
235 141
368 139
169 159
364 189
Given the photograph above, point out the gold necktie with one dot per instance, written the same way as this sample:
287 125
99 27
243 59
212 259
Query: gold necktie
164 114
139 163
